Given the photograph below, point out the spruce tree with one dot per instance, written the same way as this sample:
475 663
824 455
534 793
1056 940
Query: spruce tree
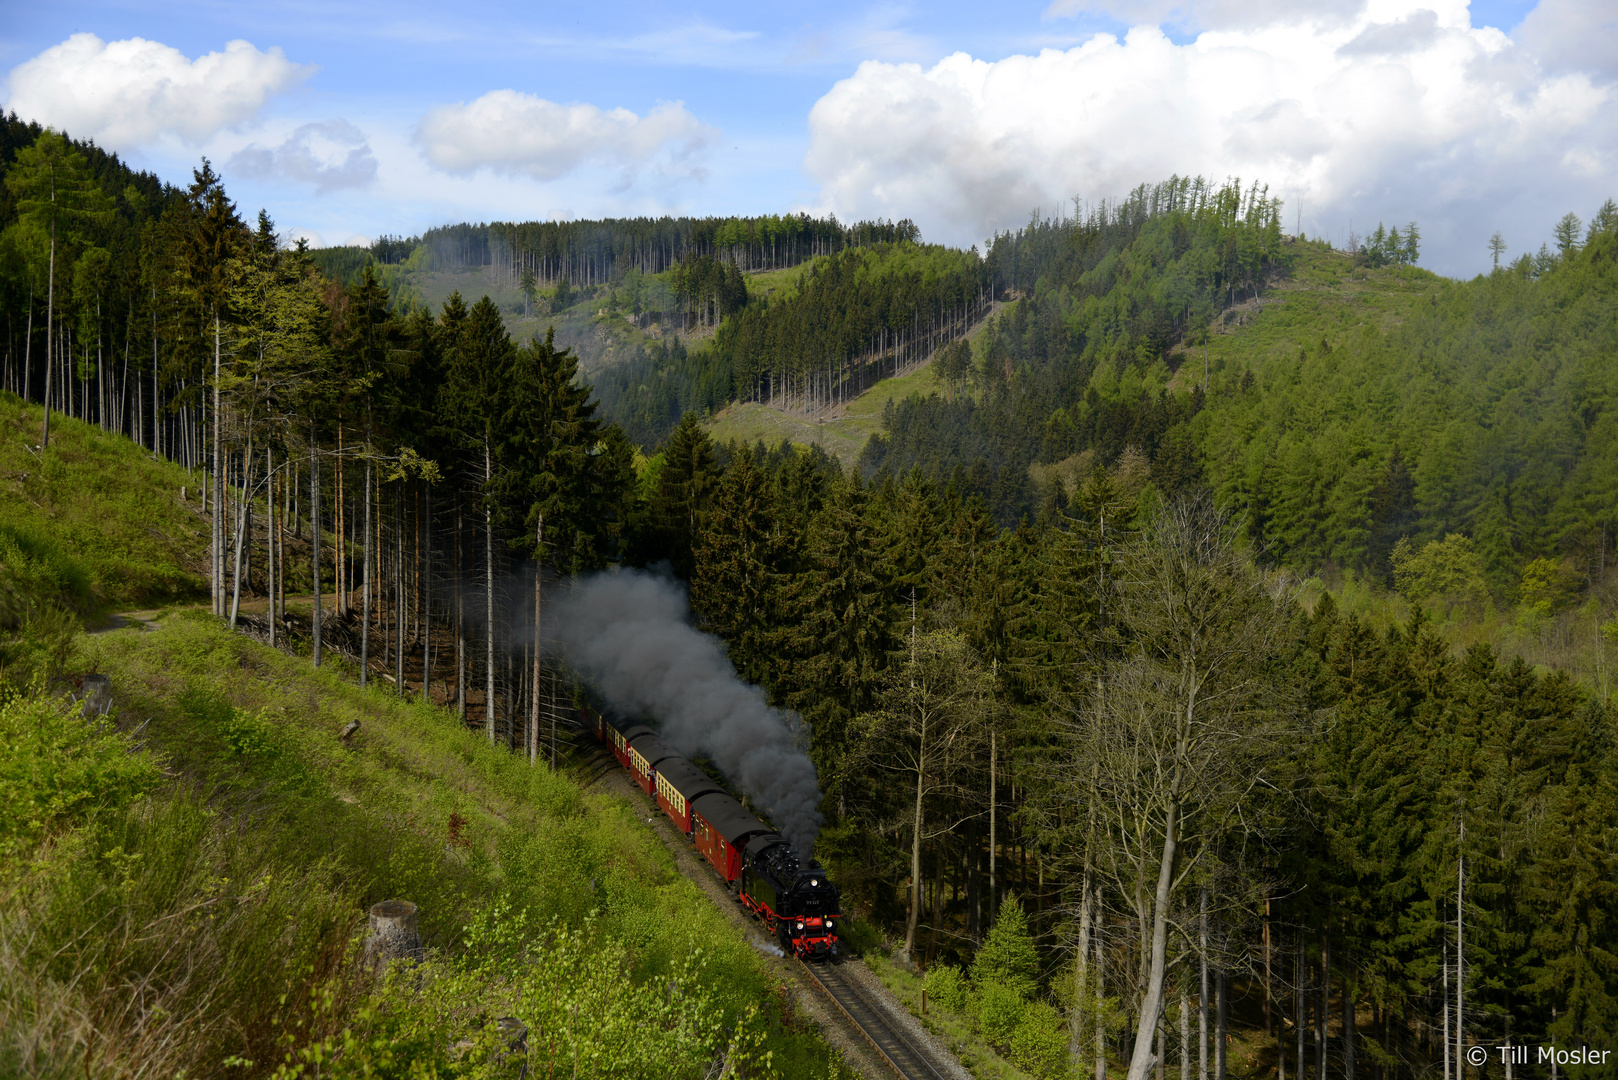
841 616
733 583
1007 957
685 487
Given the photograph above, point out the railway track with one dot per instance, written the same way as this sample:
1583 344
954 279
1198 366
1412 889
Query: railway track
904 1057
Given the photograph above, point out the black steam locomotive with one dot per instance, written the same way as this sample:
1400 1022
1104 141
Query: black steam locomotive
795 901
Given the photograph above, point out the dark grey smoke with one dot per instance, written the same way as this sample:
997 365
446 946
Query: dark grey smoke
630 634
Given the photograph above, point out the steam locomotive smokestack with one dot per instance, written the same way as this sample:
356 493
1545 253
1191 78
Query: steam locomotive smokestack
630 634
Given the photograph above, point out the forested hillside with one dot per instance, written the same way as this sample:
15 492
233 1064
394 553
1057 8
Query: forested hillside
1199 795
1361 402
215 840
1095 759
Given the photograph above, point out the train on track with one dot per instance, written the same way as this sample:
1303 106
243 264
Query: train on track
794 899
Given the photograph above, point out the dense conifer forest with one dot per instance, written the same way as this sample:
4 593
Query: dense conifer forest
1101 759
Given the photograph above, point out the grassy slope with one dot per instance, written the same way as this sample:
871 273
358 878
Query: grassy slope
844 433
1318 299
598 337
220 848
245 871
95 520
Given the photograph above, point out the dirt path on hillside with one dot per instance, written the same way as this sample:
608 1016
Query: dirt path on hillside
124 620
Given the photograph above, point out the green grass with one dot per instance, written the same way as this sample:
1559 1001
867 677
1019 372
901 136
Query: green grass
954 1029
779 284
227 871
94 521
843 435
1320 296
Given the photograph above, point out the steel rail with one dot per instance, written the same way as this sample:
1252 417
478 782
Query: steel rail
853 1005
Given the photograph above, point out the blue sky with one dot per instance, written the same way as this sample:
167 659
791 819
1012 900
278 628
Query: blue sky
354 119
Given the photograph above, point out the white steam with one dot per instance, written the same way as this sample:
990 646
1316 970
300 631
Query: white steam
629 633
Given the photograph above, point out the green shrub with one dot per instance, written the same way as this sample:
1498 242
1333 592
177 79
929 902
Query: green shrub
947 986
1000 1013
1008 958
1039 1046
34 560
859 937
36 639
58 768
249 736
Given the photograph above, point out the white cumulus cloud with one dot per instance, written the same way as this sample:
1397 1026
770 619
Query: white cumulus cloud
520 134
329 156
126 93
1392 109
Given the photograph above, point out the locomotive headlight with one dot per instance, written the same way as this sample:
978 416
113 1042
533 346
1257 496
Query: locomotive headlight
813 882
800 926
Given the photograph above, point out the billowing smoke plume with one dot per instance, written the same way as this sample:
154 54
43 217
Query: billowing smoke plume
630 634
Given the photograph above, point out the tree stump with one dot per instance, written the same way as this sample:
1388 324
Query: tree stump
96 693
393 935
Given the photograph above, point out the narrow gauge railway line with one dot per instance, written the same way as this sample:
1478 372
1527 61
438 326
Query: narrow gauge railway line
905 1058
792 900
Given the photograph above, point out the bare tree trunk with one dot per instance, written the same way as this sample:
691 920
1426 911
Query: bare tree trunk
1460 956
1081 975
398 591
1140 1062
425 531
28 345
488 613
219 489
915 856
1222 990
339 535
365 601
271 555
1300 1003
993 806
460 620
50 317
539 578
1202 996
1324 1011
314 535
244 503
1101 993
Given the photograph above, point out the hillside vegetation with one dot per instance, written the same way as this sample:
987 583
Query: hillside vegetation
97 521
93 525
1057 634
217 844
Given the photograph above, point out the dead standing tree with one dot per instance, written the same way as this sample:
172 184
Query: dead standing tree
1186 725
930 729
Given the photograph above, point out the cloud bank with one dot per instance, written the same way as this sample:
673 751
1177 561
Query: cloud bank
519 134
1398 109
329 156
126 93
